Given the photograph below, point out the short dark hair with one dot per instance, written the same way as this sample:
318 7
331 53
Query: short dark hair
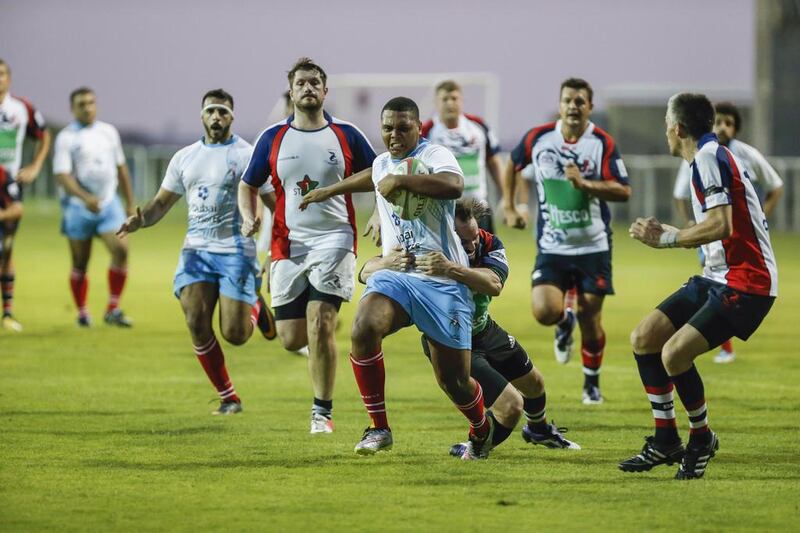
467 208
402 104
693 111
728 108
448 86
577 84
306 63
80 91
3 62
222 94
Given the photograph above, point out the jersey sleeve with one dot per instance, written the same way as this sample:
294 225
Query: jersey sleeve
172 179
62 160
521 154
765 174
440 159
36 123
612 168
682 188
711 178
492 144
494 256
363 153
258 168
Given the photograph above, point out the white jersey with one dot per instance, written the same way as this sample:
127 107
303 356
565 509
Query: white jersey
571 222
757 167
18 119
91 154
745 260
295 162
208 175
434 230
473 143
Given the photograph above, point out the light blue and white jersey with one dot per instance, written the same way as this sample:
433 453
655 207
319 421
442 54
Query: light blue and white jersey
434 230
208 175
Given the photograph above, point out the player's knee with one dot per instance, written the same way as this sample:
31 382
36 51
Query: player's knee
547 316
291 340
325 322
365 331
236 334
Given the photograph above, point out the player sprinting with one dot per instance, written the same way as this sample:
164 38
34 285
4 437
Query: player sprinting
469 138
577 169
217 264
732 297
313 251
18 120
438 306
727 124
511 384
89 164
10 205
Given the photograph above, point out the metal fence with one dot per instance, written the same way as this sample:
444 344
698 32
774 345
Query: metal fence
652 178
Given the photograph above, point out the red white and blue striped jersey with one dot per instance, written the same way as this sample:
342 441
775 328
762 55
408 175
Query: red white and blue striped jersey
298 161
571 222
745 260
18 119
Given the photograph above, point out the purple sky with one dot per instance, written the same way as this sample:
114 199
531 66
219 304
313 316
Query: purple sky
151 60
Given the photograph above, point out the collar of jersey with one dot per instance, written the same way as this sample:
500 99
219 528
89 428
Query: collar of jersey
589 129
423 142
328 119
226 143
707 138
77 124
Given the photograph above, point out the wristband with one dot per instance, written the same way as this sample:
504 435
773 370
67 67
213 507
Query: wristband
668 239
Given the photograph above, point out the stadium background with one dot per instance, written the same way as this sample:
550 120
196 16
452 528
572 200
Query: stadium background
108 429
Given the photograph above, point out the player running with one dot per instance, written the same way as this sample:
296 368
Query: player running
469 138
732 297
577 169
440 307
217 264
18 120
313 251
511 384
89 164
727 124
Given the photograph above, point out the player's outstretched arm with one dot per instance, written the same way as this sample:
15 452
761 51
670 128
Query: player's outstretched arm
358 182
480 280
398 260
151 214
718 225
124 178
441 185
510 214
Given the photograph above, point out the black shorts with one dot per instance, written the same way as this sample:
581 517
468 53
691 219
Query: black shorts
497 359
297 307
589 273
717 311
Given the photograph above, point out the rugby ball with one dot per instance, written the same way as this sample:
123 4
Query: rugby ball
406 204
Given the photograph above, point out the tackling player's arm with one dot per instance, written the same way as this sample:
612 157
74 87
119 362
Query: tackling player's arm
358 182
479 279
152 212
73 188
398 260
717 225
440 185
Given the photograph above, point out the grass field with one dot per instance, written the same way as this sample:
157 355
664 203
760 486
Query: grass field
110 429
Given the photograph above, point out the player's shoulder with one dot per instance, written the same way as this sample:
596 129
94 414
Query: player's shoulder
426 127
603 135
268 134
186 151
106 127
477 120
490 241
537 132
351 130
241 144
20 101
744 150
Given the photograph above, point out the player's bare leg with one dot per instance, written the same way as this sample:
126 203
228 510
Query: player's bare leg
7 279
376 317
80 251
593 342
117 276
236 320
292 333
321 323
198 301
537 430
547 304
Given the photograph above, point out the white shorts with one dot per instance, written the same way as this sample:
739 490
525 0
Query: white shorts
331 271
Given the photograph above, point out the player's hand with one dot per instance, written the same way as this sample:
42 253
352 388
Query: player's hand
512 218
133 223
311 197
399 260
573 174
389 186
250 226
92 204
524 212
433 264
648 230
28 173
373 228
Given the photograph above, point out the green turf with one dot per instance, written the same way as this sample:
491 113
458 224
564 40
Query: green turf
110 429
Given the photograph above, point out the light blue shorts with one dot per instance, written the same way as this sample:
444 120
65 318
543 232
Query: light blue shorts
80 224
234 274
442 311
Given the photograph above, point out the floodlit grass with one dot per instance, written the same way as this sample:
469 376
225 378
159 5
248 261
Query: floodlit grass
110 429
